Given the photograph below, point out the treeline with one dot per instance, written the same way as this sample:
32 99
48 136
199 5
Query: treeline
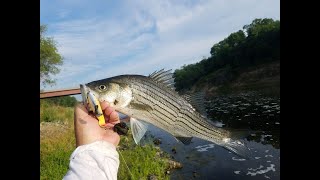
65 101
257 43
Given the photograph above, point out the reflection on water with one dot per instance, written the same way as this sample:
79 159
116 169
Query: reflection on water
204 160
249 110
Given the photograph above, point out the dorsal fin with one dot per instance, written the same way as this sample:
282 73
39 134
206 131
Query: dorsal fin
155 73
164 77
197 101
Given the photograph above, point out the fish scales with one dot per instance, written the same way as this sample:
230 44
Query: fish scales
151 100
187 115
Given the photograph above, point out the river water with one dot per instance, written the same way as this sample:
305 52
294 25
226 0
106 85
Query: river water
205 160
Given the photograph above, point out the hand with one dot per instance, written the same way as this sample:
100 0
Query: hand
87 129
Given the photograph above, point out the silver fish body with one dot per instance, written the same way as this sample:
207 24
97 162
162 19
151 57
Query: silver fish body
151 99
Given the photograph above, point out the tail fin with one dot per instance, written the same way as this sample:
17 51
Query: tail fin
238 147
237 144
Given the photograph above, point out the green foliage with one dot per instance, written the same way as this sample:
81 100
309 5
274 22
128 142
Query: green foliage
50 59
52 113
57 140
65 101
142 162
55 152
259 26
259 43
187 75
52 109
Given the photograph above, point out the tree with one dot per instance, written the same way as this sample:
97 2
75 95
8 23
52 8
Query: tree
50 59
65 101
257 43
259 26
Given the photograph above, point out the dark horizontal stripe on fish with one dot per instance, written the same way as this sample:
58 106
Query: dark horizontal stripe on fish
152 89
156 98
153 101
153 93
143 96
170 122
193 129
161 119
155 87
190 129
173 100
192 121
210 130
161 86
160 110
195 115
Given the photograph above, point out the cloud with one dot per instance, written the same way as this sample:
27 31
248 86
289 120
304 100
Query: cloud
62 13
145 35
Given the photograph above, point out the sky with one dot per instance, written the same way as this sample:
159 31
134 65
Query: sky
103 38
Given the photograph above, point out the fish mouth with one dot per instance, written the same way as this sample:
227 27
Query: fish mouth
87 93
84 93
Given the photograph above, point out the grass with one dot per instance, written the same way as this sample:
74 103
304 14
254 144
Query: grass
53 113
142 161
57 142
56 146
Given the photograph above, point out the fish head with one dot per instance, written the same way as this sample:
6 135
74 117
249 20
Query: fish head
118 95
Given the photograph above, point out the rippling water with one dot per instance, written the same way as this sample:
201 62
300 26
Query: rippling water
204 160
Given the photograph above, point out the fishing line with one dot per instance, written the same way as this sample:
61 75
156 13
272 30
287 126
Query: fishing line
125 164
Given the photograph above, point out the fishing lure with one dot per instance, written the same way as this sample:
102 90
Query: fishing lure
94 107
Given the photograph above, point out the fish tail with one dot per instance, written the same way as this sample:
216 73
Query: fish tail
236 142
238 147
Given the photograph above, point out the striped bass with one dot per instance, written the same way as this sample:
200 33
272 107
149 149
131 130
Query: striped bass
152 99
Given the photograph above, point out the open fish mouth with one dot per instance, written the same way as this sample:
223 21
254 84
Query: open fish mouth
89 100
84 93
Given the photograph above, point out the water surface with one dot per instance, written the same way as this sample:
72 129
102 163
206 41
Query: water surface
205 160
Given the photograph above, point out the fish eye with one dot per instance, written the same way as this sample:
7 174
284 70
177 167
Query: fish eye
102 87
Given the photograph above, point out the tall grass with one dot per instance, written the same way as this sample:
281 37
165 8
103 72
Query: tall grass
53 113
55 151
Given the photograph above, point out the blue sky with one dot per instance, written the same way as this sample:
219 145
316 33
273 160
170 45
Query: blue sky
104 38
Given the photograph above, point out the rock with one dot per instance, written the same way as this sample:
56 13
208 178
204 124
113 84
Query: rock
152 177
159 154
157 141
194 174
174 150
168 172
174 165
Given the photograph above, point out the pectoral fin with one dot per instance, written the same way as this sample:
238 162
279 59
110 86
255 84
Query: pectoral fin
138 128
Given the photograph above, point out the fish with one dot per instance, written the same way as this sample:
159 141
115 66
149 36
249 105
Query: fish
153 100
